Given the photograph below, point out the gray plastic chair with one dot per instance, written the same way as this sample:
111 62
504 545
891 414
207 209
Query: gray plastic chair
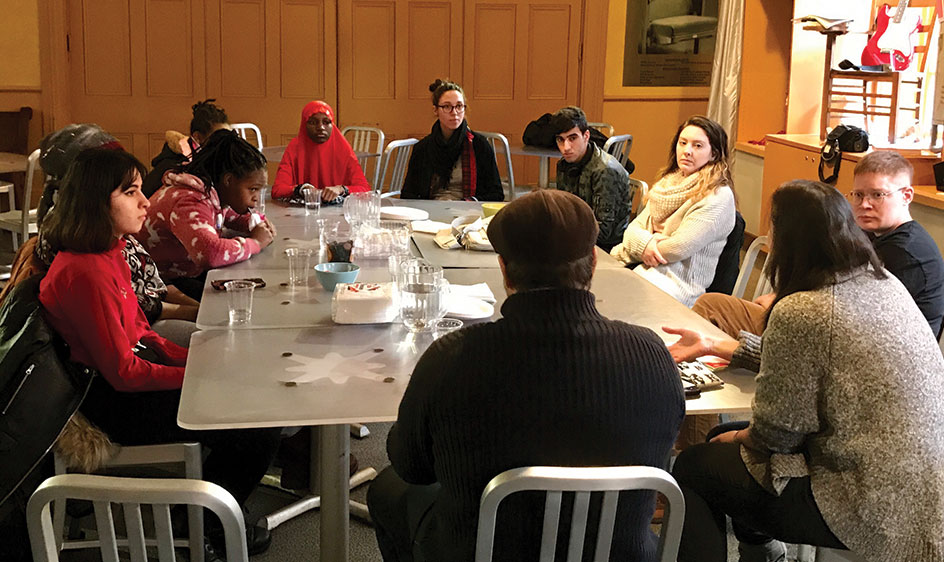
619 146
747 266
398 152
22 222
497 141
582 481
132 493
243 128
361 140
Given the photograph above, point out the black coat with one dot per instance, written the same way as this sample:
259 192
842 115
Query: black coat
419 174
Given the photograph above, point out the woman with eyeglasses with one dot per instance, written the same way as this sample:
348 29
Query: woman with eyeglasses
844 446
319 158
452 162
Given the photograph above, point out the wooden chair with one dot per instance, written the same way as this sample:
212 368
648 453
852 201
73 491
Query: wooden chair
876 94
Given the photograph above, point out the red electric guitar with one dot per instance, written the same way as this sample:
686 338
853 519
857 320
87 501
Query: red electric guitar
893 40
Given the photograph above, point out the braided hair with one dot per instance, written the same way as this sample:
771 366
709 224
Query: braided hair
225 152
205 115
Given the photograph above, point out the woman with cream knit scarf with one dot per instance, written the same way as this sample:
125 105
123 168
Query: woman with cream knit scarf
678 237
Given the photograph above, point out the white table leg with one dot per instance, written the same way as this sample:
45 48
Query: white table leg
543 165
335 470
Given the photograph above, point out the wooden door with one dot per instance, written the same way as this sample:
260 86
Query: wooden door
516 59
136 66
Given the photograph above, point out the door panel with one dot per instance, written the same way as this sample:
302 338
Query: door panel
137 66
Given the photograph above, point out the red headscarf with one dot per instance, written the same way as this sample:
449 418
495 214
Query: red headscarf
330 163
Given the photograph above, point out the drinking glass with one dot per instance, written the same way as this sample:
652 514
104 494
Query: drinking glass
299 264
240 300
312 201
260 206
422 294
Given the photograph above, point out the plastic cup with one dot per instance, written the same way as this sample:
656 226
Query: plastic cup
312 201
423 294
446 326
260 207
240 300
299 262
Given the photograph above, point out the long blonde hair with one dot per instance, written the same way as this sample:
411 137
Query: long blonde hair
716 172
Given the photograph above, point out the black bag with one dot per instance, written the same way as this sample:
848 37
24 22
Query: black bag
40 388
844 138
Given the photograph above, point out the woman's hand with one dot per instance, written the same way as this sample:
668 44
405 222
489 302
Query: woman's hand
264 233
692 344
331 192
726 437
651 256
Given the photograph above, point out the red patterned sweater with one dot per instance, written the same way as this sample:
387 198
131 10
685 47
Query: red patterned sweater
89 301
183 229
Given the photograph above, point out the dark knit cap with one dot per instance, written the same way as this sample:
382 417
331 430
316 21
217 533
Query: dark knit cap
548 227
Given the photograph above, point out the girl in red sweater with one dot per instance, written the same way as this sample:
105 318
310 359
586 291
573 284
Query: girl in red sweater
88 299
184 227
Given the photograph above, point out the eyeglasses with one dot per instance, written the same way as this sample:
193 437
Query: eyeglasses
877 197
458 108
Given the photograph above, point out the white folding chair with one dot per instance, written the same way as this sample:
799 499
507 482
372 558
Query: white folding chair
397 151
243 129
186 454
499 140
361 140
604 128
619 146
22 222
582 481
747 266
131 494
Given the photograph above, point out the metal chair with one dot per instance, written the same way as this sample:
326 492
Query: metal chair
747 266
243 128
619 146
132 493
582 481
399 152
22 222
188 454
361 141
601 126
638 191
498 139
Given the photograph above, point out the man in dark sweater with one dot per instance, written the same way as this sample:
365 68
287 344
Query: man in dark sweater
880 199
551 383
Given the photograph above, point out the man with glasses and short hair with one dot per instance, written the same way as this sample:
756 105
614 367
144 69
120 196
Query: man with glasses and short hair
593 175
880 200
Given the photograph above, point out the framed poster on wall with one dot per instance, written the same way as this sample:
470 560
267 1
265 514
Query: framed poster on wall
669 42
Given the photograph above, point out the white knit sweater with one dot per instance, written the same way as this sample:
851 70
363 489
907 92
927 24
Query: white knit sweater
696 234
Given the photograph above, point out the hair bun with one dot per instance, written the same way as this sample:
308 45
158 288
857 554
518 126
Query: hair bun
202 104
437 83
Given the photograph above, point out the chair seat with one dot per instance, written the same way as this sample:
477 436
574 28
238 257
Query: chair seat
10 220
677 28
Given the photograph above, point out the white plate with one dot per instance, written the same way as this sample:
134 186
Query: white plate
403 213
469 308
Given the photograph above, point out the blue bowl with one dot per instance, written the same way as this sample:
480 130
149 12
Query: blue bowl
331 273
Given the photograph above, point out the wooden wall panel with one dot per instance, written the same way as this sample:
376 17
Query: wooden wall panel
493 56
430 45
242 48
302 54
169 32
106 31
548 46
155 143
374 58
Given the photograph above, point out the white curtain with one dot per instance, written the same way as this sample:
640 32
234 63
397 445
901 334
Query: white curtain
726 67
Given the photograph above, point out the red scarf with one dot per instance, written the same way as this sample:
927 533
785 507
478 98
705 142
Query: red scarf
468 168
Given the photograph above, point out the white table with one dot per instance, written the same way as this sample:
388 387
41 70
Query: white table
353 374
544 162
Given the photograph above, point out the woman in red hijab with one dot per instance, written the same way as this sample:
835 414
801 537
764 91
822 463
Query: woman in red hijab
319 158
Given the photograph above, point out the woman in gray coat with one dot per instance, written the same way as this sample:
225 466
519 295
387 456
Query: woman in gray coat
845 446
